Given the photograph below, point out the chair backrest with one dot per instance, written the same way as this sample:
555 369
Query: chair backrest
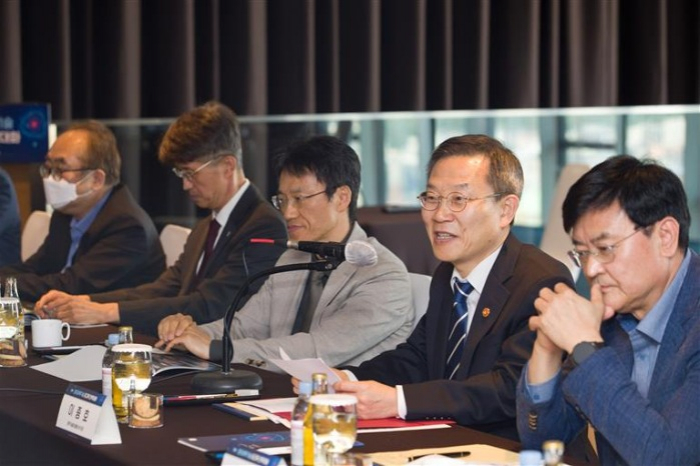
555 241
173 238
34 233
420 291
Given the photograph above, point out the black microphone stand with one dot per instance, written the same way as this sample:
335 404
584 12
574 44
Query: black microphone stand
227 381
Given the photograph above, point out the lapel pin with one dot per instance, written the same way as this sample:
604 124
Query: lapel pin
486 312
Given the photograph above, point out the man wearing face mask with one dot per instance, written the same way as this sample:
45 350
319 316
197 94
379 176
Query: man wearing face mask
99 239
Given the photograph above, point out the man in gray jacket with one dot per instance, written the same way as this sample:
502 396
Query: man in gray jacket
344 316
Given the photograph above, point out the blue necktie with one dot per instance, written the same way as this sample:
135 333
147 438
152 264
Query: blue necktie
458 327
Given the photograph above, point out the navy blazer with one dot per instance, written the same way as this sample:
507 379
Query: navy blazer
482 395
663 429
233 260
121 248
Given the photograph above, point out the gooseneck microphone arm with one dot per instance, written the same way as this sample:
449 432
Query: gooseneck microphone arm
227 381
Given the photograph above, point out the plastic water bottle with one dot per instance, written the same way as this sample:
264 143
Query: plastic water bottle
299 414
107 360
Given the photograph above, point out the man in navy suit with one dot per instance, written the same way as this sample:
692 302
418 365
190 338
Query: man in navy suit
472 196
633 365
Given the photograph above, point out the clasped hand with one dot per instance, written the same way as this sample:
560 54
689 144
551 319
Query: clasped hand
565 318
78 309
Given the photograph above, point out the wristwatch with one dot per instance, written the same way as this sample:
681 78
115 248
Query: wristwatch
584 350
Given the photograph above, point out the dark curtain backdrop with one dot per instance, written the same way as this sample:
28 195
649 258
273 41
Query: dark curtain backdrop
157 58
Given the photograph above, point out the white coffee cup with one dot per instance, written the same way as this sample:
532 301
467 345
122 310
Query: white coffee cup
49 332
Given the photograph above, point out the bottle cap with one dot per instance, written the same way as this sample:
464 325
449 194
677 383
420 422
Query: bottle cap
113 339
131 347
305 388
334 400
530 458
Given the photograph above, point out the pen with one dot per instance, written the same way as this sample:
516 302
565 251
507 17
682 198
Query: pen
454 454
200 397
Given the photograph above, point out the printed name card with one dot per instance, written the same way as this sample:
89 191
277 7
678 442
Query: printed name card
88 414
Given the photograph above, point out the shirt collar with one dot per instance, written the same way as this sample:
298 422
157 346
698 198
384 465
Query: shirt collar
481 272
81 226
222 215
654 323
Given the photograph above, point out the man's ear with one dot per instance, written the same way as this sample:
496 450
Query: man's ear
668 231
98 178
231 163
509 207
343 197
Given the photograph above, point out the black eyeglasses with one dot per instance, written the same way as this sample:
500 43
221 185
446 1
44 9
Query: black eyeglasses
281 202
604 254
456 202
57 173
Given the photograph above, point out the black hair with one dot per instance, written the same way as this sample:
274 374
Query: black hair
646 191
332 161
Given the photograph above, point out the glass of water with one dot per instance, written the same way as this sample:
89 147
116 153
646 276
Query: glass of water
334 421
131 374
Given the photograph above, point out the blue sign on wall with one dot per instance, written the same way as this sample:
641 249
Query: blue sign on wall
24 132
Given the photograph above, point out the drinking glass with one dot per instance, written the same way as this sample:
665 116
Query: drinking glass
13 353
334 421
131 374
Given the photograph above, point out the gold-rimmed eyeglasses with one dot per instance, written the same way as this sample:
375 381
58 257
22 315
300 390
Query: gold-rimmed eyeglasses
456 202
603 254
281 202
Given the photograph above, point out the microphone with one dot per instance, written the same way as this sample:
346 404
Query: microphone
230 380
358 253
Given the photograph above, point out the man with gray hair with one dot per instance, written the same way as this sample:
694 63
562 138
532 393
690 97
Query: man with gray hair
204 148
99 238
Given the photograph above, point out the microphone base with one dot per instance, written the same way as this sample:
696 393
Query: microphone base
220 382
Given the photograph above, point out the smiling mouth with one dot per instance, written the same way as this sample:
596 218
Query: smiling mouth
440 236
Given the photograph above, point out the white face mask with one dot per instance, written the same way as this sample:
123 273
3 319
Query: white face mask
61 193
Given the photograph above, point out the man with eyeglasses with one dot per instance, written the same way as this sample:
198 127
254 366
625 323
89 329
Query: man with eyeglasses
344 316
204 147
463 360
632 367
99 238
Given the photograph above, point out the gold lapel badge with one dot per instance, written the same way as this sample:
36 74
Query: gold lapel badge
486 312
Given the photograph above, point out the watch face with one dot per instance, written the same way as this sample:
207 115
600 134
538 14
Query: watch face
584 350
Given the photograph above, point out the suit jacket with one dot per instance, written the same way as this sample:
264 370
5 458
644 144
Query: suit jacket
121 248
662 429
232 260
9 221
482 394
362 311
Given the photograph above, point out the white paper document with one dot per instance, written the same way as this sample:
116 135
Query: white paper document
82 366
302 369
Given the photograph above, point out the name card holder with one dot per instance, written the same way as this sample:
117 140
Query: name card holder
88 414
238 455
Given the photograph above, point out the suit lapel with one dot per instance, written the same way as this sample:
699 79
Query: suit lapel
240 213
686 305
493 298
198 238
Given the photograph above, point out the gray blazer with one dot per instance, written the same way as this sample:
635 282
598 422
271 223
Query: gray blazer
362 312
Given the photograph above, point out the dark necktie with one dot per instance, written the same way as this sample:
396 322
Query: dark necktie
208 246
309 300
458 328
